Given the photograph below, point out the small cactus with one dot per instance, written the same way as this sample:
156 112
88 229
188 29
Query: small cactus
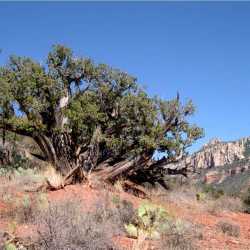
151 221
10 246
200 196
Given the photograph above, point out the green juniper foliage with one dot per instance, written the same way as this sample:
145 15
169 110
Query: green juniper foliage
91 115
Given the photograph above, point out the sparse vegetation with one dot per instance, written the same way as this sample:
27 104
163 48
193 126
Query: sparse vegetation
126 212
215 193
66 226
208 199
20 180
180 235
22 209
224 203
229 228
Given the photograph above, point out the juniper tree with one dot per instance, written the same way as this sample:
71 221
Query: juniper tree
91 117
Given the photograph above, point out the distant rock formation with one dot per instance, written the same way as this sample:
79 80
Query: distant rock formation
217 161
225 165
218 153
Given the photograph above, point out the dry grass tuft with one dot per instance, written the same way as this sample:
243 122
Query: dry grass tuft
229 228
53 177
119 185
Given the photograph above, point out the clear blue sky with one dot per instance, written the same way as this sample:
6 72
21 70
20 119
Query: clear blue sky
201 50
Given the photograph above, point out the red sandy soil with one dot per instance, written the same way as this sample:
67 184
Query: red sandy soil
213 238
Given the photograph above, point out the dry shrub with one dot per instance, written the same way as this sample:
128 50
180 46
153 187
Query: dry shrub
5 188
23 179
229 228
116 210
65 226
180 235
185 194
18 181
23 209
224 203
124 212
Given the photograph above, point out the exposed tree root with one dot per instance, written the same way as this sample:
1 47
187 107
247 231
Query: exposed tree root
48 186
94 180
44 187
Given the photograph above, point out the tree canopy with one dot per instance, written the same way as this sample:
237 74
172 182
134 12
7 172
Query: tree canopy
92 116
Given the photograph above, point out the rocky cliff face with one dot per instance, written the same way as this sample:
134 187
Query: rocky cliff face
222 164
225 164
218 153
